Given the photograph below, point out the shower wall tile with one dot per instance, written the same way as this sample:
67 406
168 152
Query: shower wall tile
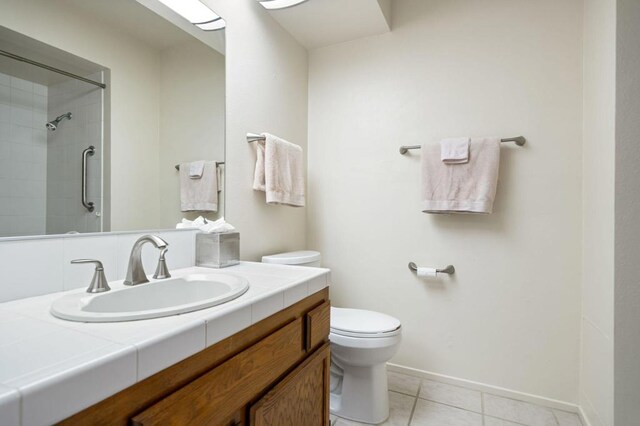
23 153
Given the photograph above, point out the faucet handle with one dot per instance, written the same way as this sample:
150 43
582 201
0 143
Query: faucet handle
162 271
99 282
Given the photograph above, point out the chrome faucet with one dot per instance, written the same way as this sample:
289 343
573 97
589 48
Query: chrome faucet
135 271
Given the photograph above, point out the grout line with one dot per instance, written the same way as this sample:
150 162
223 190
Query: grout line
403 393
413 410
482 406
506 420
452 406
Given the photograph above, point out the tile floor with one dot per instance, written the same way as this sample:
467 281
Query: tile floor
420 402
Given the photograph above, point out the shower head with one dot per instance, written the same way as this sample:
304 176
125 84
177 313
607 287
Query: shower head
53 124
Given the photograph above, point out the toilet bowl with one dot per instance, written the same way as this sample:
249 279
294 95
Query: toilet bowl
361 344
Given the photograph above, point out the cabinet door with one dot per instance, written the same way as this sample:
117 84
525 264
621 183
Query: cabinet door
301 398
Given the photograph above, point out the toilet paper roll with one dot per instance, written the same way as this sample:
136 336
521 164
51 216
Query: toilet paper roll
426 272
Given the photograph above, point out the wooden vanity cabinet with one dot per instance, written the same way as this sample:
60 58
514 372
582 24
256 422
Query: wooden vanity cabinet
275 372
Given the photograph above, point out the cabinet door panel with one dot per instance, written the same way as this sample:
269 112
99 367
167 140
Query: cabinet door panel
213 398
302 398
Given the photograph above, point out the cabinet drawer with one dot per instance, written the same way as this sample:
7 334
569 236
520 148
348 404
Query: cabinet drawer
317 325
213 398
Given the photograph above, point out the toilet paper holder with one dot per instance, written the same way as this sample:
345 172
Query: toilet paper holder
449 269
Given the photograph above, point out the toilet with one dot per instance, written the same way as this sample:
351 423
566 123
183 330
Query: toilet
361 344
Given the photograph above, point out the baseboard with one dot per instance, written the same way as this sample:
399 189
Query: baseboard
494 390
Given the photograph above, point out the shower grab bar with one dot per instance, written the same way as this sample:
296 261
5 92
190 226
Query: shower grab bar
518 140
177 166
449 269
89 151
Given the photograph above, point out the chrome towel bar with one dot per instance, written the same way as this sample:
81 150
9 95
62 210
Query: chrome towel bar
177 166
254 137
449 269
518 140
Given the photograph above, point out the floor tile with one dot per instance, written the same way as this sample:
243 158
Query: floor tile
567 419
451 395
400 407
429 413
403 383
492 421
518 411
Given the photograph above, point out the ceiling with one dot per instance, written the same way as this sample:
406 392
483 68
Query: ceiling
319 23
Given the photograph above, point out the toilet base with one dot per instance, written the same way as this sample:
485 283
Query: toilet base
362 396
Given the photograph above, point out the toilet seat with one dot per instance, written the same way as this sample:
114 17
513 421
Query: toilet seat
360 323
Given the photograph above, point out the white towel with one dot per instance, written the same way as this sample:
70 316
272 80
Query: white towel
279 171
196 169
454 150
199 194
461 188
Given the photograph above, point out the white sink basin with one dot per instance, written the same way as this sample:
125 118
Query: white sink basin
160 298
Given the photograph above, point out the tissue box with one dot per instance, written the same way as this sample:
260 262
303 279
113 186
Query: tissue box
218 250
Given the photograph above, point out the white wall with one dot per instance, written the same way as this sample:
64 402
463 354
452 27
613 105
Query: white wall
510 316
599 71
134 98
192 103
266 92
627 202
23 156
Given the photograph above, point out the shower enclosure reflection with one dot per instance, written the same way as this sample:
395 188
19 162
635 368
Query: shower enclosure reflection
44 180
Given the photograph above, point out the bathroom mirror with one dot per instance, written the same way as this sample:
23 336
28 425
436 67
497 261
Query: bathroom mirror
99 102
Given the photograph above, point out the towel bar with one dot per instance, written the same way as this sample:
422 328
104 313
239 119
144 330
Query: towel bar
254 137
177 166
518 140
449 269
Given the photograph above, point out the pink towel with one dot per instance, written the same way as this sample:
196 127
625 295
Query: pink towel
461 188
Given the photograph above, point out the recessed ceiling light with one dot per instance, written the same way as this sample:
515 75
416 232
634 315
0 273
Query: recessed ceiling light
279 4
197 13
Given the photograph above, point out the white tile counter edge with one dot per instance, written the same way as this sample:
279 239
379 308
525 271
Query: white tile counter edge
133 351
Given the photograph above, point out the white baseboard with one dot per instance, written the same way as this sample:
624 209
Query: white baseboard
494 390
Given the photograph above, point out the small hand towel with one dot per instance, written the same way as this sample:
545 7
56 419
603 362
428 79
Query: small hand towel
461 188
199 194
454 150
195 169
279 171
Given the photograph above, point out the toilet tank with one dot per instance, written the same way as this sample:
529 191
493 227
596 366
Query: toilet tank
299 258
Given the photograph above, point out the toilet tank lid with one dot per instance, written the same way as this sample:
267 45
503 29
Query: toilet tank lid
293 257
361 321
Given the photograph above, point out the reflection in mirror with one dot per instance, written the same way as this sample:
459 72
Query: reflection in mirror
91 133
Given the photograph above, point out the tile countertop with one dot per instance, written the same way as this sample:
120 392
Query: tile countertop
52 368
